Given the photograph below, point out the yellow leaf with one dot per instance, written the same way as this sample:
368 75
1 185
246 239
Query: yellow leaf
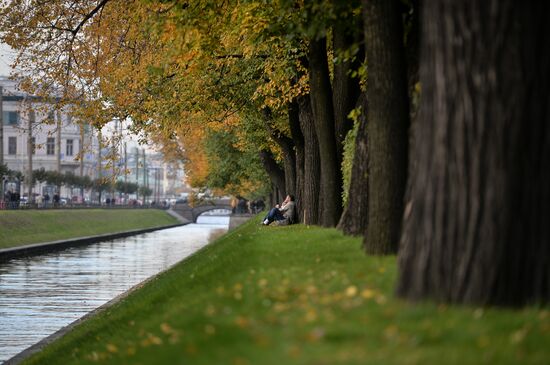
311 315
367 293
111 348
241 322
351 291
165 328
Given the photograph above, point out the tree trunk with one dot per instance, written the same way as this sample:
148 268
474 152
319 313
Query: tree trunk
1 135
312 165
287 147
323 112
289 163
1 141
476 221
412 44
59 125
387 127
274 171
81 161
30 152
298 138
412 54
346 89
355 217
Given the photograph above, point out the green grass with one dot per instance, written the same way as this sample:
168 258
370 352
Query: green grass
294 295
23 227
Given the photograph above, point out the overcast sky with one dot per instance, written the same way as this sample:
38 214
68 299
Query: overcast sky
6 57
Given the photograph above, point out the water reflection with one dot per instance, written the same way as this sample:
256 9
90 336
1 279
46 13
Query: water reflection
41 294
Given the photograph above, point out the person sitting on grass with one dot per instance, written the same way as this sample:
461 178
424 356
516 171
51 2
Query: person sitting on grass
283 214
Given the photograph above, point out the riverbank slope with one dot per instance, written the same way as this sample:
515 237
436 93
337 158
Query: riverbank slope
23 227
294 295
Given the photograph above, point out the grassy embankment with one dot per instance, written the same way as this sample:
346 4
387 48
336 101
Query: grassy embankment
23 227
294 295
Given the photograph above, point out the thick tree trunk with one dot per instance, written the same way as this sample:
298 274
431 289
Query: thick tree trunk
387 127
345 90
355 217
476 226
412 44
287 147
274 171
412 54
289 162
312 165
323 112
298 139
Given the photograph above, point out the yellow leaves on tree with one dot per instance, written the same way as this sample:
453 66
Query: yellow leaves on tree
196 163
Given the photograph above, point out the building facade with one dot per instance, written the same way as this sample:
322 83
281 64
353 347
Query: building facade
37 136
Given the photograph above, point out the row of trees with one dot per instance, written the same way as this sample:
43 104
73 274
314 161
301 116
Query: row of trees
73 181
456 183
82 183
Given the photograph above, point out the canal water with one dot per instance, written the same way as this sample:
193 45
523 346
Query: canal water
41 294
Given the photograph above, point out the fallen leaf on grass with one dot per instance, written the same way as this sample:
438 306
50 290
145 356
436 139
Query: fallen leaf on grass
311 315
518 336
351 291
151 340
210 310
368 294
165 328
316 334
262 283
241 321
111 348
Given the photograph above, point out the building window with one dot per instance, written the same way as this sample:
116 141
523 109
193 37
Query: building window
69 149
50 146
10 118
12 145
33 145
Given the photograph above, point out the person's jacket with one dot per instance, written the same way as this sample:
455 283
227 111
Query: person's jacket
288 210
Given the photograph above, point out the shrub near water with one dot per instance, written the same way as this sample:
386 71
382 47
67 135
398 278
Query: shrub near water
294 295
33 226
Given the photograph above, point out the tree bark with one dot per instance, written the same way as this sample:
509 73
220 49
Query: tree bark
388 122
274 171
298 139
412 54
30 151
355 216
323 112
346 90
1 136
412 44
59 125
312 164
476 220
287 147
1 140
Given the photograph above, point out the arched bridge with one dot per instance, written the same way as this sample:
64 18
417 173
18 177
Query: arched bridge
192 213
